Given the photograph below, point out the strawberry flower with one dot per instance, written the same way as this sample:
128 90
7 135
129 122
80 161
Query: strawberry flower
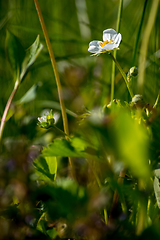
111 41
48 119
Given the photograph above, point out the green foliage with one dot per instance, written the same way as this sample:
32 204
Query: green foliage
132 140
20 60
60 148
16 54
31 55
46 168
52 164
102 180
30 94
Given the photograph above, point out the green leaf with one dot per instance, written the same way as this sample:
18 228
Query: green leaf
52 164
62 148
20 59
16 54
30 94
79 144
10 113
132 143
76 147
71 186
52 233
63 199
45 168
31 55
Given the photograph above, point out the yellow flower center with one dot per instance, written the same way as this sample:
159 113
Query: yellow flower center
106 42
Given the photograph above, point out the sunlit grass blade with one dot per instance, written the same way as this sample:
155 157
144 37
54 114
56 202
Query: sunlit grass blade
139 33
144 44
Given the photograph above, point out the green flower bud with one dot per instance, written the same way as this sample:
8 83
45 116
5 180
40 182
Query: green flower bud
133 71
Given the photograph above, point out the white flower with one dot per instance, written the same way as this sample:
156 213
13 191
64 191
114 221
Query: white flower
111 40
46 115
42 119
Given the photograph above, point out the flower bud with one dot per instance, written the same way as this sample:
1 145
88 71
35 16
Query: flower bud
133 71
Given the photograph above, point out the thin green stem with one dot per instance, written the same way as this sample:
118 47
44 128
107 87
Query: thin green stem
113 79
156 102
144 44
3 120
119 15
115 52
123 74
54 66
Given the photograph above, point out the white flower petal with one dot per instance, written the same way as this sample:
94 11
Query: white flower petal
94 46
111 40
94 49
56 117
114 37
108 34
95 43
118 38
42 119
109 47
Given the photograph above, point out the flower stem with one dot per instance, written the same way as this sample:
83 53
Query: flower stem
54 66
3 120
123 74
112 79
115 52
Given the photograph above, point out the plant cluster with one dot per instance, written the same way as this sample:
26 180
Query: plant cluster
101 179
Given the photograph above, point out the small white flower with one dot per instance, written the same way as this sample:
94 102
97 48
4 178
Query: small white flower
42 119
46 116
111 40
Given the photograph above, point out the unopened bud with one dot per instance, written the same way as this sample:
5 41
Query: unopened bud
133 71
